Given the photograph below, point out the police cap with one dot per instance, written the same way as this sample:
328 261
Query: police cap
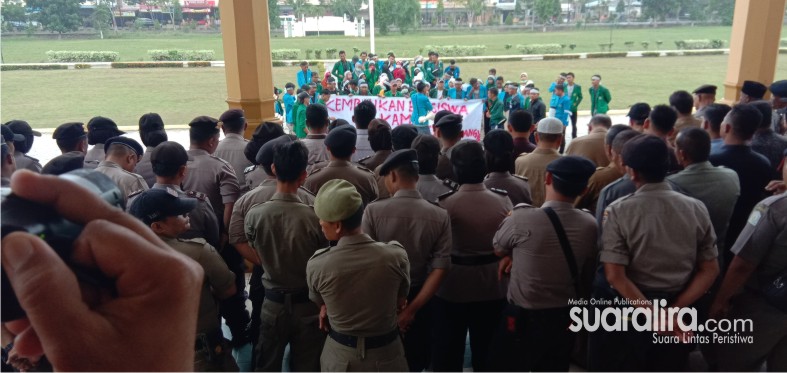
402 136
125 141
706 88
157 204
343 135
68 131
168 153
398 158
755 90
450 121
572 169
779 88
23 128
151 122
337 200
266 152
204 125
468 154
499 142
9 136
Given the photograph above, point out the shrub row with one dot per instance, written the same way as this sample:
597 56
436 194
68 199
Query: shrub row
285 54
607 54
540 48
700 44
181 55
32 67
549 57
132 65
783 42
456 50
82 56
702 53
651 54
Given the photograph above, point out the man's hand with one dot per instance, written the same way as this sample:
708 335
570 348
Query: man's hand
504 267
406 317
776 186
324 325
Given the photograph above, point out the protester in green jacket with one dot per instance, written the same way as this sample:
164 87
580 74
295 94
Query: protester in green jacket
599 96
299 114
574 91
494 109
341 66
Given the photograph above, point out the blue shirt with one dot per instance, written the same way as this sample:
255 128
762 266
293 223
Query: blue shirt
421 106
304 78
715 145
516 102
562 108
553 100
456 71
289 100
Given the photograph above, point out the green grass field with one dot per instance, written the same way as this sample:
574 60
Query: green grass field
48 98
134 47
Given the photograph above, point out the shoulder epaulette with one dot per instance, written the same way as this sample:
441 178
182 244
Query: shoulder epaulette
364 159
600 168
307 191
434 203
524 206
222 160
587 211
520 177
362 168
320 252
445 195
395 243
197 195
249 169
499 191
135 194
199 241
314 171
453 185
31 158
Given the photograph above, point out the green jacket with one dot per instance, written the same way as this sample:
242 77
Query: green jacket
433 71
339 68
299 118
372 77
495 112
599 100
576 97
398 94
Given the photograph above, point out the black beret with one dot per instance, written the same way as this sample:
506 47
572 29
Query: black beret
156 204
126 141
440 114
267 131
398 158
150 122
499 142
64 163
21 127
204 124
572 169
97 123
266 152
71 130
402 136
232 116
639 111
706 88
646 152
755 90
343 135
468 154
779 88
169 153
449 121
426 144
100 129
10 136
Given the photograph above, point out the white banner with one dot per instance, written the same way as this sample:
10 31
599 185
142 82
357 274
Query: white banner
397 111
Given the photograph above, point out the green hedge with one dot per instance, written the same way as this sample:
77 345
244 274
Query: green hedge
82 66
700 44
540 48
651 54
456 50
32 67
199 64
783 42
672 54
133 65
181 55
285 54
275 63
702 53
549 57
82 56
607 54
782 50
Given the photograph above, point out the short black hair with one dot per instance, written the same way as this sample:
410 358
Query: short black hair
500 78
599 119
663 118
714 114
364 113
407 170
342 52
744 119
354 221
567 189
316 116
428 154
234 126
70 144
492 91
695 142
380 135
767 112
153 138
499 162
267 131
622 138
290 160
614 131
420 86
520 120
570 74
682 101
493 70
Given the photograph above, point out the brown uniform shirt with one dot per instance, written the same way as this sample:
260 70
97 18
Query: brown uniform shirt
145 169
263 193
230 149
217 277
517 186
591 147
94 156
423 229
129 183
533 166
763 241
285 232
254 176
360 177
371 162
601 178
540 275
360 281
476 213
317 150
431 187
213 176
681 123
659 235
445 170
26 162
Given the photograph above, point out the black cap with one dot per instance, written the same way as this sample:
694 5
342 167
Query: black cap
64 163
266 152
398 158
156 204
150 122
10 136
468 154
706 88
572 169
426 144
402 136
68 131
343 135
267 131
23 128
755 90
449 121
779 88
499 142
100 129
169 153
204 125
232 116
646 152
126 141
639 111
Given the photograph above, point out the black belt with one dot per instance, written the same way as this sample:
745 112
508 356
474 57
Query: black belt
281 296
370 342
474 260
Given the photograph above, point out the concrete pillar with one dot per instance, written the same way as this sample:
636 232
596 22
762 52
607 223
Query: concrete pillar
247 58
754 44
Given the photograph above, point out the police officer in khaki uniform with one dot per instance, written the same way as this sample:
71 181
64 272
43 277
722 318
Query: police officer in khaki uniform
317 124
99 130
533 334
230 149
471 297
380 142
151 132
499 150
21 148
254 174
591 146
362 323
71 138
427 148
285 233
341 145
425 232
657 244
122 154
604 175
401 138
448 129
549 136
165 213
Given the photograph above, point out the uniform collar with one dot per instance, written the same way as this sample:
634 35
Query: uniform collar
317 136
558 205
545 151
234 136
407 193
654 187
165 186
699 166
355 240
472 187
599 130
110 164
499 175
287 197
197 152
339 163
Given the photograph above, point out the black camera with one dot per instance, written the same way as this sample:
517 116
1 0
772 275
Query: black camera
42 221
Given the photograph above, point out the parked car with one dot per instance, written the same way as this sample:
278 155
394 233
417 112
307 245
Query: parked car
144 22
